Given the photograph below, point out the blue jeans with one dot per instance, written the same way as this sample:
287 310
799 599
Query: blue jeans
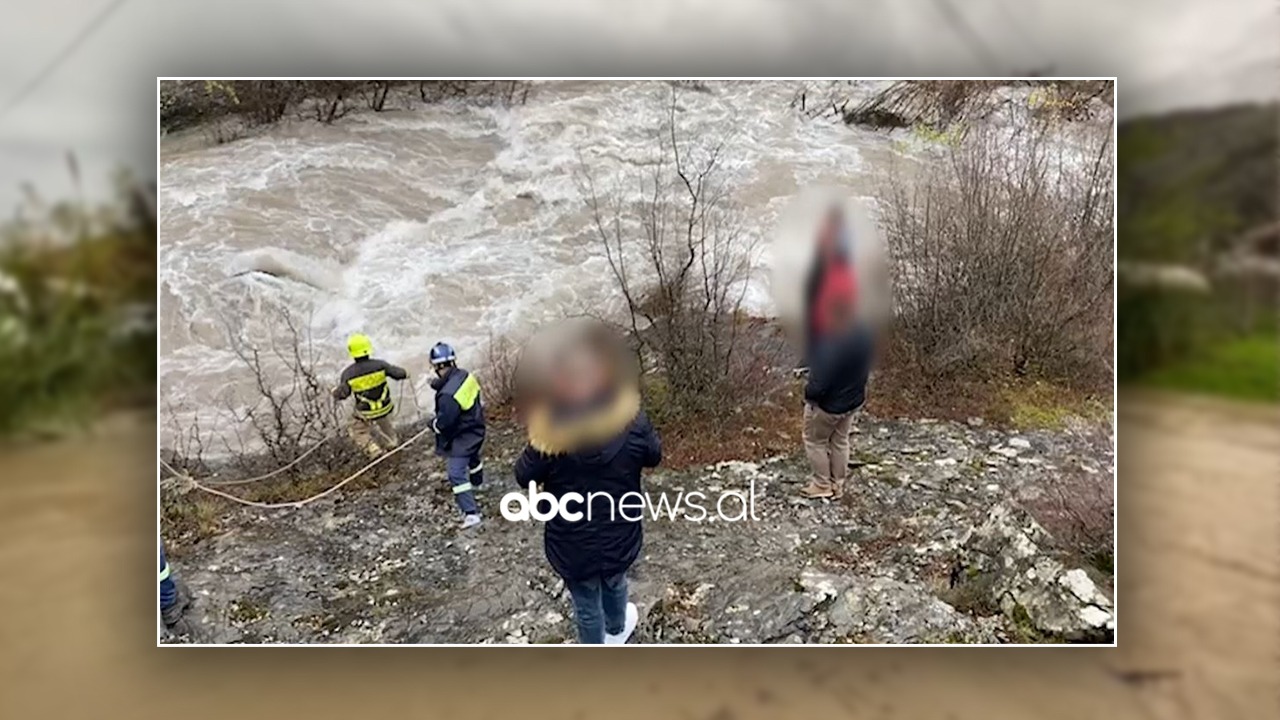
168 589
465 474
599 606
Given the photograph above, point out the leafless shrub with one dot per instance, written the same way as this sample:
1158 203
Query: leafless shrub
483 92
681 258
1002 257
499 372
1079 512
942 104
377 94
294 407
230 109
187 443
286 410
329 100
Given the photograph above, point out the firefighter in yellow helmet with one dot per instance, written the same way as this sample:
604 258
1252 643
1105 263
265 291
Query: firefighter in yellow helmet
366 379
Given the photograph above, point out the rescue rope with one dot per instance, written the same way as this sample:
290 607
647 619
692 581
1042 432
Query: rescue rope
303 456
273 473
414 396
295 503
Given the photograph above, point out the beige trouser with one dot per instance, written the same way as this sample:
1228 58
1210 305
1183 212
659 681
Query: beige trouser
373 436
826 442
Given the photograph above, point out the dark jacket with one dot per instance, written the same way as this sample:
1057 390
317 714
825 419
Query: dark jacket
603 542
459 422
839 370
366 378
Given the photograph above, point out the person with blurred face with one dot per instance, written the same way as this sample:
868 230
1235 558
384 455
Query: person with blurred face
365 379
460 429
588 441
830 277
836 389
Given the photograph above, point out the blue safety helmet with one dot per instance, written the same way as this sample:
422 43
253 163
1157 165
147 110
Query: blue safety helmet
442 353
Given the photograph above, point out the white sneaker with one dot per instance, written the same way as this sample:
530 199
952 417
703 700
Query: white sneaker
470 521
633 617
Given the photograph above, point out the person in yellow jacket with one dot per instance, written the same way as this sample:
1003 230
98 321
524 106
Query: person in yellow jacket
365 379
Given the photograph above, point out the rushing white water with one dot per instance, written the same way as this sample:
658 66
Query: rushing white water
448 222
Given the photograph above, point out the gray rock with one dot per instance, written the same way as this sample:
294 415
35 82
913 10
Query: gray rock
1010 552
389 564
884 610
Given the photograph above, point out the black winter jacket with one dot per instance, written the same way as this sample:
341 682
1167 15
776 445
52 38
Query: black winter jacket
839 370
603 542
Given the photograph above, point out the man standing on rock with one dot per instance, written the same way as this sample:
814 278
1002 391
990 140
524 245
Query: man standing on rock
833 394
460 429
588 443
366 379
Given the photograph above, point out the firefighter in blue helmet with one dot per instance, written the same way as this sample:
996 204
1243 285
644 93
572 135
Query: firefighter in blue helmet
459 429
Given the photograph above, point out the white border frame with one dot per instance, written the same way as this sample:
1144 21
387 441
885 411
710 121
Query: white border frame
1115 349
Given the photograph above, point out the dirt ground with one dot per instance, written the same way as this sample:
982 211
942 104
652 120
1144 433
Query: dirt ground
1199 614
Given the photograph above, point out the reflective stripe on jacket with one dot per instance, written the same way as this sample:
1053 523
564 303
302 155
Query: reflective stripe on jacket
459 423
373 395
366 380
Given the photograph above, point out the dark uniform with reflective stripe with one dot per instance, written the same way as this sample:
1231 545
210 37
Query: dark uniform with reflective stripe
366 380
459 427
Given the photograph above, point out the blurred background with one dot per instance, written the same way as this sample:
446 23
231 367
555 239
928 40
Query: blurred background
1197 345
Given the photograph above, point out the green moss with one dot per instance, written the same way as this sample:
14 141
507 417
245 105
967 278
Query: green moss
1041 405
247 610
1024 630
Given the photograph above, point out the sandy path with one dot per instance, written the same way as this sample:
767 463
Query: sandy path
1199 615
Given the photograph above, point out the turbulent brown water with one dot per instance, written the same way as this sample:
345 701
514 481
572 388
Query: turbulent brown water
447 222
456 223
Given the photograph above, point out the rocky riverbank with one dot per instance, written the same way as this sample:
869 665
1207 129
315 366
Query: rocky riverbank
932 543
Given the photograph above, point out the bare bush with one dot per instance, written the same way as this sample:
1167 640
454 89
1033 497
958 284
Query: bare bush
499 372
230 109
482 92
681 259
329 100
1079 512
287 409
1002 257
941 104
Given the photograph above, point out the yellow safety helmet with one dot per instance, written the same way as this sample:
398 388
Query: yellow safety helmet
359 346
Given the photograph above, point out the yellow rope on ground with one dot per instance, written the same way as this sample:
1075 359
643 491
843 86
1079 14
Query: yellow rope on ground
296 503
273 473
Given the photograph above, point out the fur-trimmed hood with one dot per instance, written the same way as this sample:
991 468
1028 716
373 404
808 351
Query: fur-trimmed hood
589 429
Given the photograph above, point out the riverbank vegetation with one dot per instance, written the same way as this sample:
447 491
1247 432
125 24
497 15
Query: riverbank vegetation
77 295
1197 214
227 110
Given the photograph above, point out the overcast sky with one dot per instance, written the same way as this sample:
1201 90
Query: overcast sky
100 103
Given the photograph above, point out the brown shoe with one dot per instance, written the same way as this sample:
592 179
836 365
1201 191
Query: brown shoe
837 490
816 489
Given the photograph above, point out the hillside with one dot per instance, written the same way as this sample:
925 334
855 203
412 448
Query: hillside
1194 177
930 544
1195 190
